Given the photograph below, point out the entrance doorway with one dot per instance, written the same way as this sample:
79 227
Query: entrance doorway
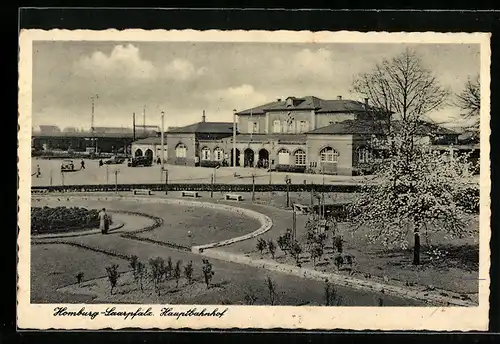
237 157
249 158
263 161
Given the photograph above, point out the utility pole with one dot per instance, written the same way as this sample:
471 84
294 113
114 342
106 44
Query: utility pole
92 127
144 120
107 174
288 181
294 224
162 141
234 138
133 127
323 192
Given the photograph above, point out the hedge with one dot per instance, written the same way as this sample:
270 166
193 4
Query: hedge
209 163
290 168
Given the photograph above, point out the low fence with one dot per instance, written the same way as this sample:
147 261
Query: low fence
347 188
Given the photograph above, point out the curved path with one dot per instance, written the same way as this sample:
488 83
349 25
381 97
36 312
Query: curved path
120 246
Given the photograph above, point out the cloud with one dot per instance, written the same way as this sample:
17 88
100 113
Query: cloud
306 62
241 96
181 69
123 61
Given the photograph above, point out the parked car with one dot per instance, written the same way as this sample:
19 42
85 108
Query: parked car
140 161
67 166
114 160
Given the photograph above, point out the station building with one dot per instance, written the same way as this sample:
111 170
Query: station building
306 134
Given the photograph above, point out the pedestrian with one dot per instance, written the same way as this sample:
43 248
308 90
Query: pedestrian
100 163
158 161
38 173
103 221
82 165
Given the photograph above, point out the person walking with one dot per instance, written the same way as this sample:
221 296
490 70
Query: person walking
103 221
100 163
38 173
82 164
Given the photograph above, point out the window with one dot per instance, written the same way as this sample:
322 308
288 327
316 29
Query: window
181 150
283 157
364 155
329 154
205 153
304 126
276 126
253 127
291 126
218 154
300 157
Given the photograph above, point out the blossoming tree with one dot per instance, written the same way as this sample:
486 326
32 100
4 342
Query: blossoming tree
415 188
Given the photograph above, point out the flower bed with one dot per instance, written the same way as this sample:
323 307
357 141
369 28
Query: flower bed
62 219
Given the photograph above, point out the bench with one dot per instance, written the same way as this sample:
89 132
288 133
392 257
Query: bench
142 191
302 209
189 193
235 197
39 191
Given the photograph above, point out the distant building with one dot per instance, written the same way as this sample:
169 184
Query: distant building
46 129
307 134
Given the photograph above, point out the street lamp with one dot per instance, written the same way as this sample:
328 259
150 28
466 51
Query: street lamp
288 181
162 141
92 128
234 138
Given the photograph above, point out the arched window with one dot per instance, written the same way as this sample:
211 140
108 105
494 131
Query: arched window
283 157
277 126
218 154
181 150
205 153
329 154
300 157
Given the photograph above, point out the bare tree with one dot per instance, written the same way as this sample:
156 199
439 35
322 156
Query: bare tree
469 101
414 185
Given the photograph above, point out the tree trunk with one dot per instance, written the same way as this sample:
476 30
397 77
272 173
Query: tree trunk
416 249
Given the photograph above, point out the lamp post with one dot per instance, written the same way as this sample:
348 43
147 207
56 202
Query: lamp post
92 128
288 181
116 180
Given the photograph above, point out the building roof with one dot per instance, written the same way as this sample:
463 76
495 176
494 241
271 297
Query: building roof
205 127
309 103
371 128
153 140
87 134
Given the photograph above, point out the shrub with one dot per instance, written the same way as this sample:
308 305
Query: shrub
261 245
133 262
338 243
271 246
290 168
296 250
188 272
331 297
113 275
339 261
250 297
50 219
169 268
209 163
139 273
271 287
208 272
177 273
79 277
157 266
316 252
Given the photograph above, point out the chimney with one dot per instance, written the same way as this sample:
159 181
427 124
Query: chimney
339 97
203 116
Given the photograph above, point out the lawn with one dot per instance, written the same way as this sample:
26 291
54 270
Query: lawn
55 266
448 264
206 225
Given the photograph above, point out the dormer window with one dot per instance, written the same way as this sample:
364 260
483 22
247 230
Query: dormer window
289 102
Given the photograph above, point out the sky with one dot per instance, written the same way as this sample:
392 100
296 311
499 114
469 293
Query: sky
184 78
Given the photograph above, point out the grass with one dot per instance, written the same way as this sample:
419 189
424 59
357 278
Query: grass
54 266
449 264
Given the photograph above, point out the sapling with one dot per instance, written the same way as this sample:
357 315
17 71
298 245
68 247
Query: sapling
177 273
168 268
261 245
188 272
271 287
157 266
250 297
296 250
113 275
139 273
316 252
79 277
339 261
208 272
271 246
133 262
